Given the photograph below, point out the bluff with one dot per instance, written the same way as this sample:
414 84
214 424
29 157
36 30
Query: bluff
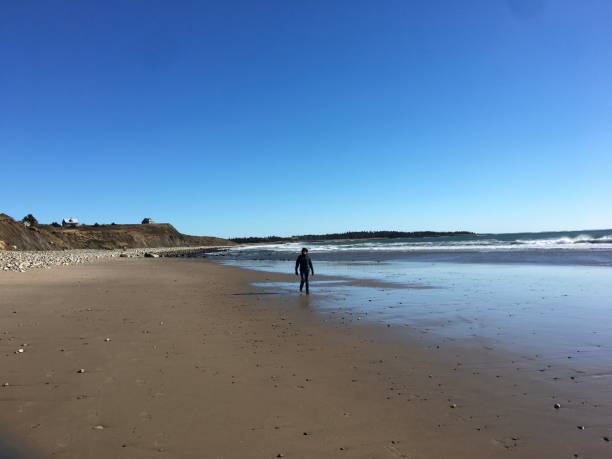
49 237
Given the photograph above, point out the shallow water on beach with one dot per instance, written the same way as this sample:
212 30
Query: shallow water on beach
558 312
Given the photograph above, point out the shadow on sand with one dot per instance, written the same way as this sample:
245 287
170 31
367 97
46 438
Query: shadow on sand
8 450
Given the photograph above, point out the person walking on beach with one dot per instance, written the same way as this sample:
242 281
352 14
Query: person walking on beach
305 264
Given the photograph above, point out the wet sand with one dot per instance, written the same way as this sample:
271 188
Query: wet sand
185 358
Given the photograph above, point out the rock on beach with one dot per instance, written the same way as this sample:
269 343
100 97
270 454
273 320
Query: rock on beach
21 261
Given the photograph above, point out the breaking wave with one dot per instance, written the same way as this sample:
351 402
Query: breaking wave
596 240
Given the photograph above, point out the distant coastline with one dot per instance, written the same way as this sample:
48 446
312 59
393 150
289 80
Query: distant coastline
29 234
352 235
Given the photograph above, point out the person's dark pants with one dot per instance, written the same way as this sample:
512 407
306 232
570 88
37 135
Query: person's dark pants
304 280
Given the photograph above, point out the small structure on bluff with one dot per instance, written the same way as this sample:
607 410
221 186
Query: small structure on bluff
147 221
70 222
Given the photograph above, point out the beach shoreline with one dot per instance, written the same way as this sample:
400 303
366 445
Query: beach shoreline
187 358
24 260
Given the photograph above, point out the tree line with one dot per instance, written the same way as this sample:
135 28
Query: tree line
351 235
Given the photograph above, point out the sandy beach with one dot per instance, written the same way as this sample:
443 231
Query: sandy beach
435 174
181 358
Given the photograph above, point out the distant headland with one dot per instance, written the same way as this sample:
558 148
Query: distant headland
351 235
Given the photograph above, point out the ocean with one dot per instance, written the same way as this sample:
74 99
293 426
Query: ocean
568 247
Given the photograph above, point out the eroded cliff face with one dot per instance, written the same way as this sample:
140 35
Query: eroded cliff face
15 235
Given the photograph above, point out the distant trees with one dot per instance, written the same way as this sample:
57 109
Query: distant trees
30 219
255 240
352 235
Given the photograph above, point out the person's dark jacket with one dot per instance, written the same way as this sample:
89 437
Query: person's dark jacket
304 263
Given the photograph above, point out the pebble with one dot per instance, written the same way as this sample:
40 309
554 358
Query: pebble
82 370
557 406
98 427
107 339
5 384
20 261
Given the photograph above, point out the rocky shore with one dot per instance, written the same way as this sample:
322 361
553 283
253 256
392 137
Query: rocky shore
21 261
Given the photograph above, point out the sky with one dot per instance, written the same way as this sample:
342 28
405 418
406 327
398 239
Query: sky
236 118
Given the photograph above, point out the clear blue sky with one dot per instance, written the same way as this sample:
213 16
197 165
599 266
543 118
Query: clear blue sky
281 117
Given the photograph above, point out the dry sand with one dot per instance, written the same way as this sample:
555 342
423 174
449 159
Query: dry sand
184 359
